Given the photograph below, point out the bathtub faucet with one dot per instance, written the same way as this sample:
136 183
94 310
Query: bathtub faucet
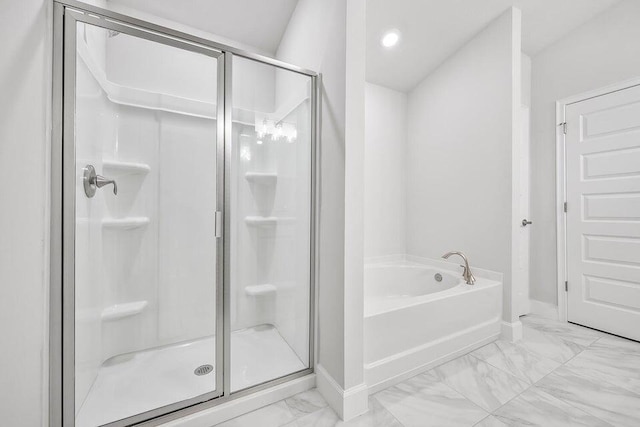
466 273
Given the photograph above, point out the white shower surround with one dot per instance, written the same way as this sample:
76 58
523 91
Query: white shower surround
412 322
148 126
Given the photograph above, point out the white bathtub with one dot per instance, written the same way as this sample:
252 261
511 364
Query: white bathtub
414 322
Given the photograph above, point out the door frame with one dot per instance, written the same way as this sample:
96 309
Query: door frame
62 245
561 187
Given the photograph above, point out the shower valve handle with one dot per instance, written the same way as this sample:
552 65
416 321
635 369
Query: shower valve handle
93 181
101 181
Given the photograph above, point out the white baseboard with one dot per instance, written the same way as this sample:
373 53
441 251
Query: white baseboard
348 403
242 405
511 331
544 309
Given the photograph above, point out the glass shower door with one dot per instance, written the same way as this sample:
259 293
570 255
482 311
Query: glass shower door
271 202
143 150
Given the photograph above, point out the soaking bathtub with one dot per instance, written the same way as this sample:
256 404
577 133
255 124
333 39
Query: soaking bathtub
420 313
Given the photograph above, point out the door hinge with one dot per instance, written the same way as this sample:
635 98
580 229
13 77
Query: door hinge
564 127
565 207
566 286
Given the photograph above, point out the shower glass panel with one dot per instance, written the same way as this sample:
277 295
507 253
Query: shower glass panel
147 192
270 222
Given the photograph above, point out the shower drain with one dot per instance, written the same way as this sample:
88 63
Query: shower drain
203 370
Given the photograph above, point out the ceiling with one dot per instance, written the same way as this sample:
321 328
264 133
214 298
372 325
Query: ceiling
432 30
257 23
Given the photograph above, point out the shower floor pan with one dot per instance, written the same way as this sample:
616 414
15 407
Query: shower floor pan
138 382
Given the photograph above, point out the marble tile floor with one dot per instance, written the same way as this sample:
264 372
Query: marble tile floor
559 374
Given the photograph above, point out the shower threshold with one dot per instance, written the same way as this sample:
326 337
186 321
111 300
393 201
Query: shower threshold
138 382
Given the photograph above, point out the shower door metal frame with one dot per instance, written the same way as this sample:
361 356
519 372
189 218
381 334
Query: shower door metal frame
70 20
62 235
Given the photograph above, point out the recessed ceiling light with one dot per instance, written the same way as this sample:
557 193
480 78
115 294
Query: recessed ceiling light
390 38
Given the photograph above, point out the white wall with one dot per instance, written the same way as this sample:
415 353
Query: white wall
459 166
526 81
355 389
603 51
316 38
25 79
384 171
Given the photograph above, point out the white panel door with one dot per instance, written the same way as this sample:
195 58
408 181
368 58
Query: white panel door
603 216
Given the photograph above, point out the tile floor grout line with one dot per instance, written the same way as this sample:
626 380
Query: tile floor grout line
530 385
560 399
552 371
573 406
526 351
597 379
507 402
439 381
561 364
488 416
601 380
459 393
386 409
490 412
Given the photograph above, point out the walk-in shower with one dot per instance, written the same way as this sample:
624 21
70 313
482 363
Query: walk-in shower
183 212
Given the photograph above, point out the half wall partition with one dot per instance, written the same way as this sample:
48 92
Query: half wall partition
182 220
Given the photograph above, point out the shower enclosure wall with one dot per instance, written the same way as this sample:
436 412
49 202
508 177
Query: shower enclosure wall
183 205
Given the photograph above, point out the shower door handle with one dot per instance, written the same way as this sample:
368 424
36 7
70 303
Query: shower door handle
218 224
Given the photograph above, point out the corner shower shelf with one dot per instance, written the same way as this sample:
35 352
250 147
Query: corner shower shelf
126 167
259 290
266 221
261 177
120 311
129 223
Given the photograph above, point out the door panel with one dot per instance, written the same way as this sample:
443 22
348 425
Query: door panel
271 201
603 217
143 141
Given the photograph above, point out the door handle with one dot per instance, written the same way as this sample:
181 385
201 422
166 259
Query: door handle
526 222
93 181
218 224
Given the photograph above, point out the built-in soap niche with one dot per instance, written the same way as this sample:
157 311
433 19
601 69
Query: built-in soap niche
130 178
263 188
126 265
